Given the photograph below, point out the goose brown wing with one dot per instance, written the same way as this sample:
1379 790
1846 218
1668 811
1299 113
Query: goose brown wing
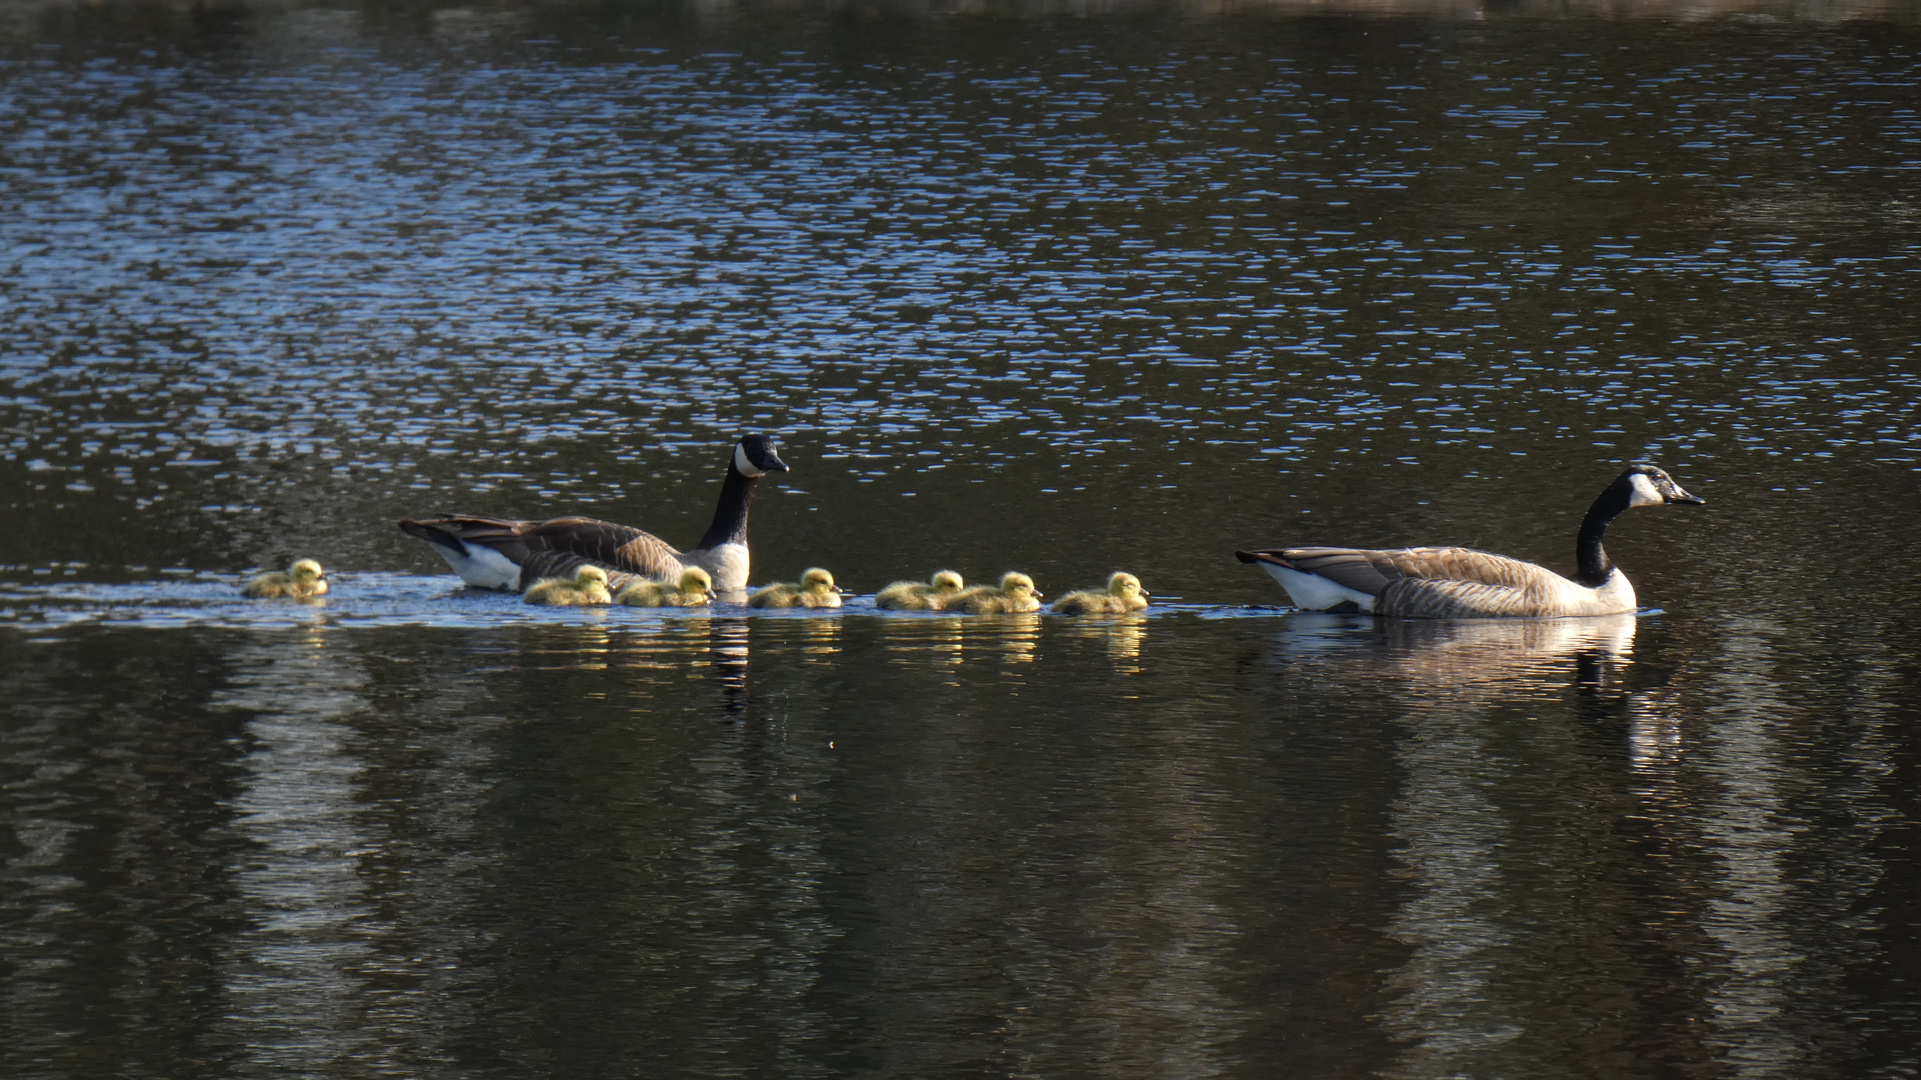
622 547
556 546
1438 582
1372 570
1446 599
1354 568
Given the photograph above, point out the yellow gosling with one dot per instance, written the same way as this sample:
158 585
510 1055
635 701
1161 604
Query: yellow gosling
693 589
1123 594
587 586
926 595
301 581
816 589
1016 592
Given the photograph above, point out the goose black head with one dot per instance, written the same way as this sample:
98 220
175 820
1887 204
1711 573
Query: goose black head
1649 486
754 457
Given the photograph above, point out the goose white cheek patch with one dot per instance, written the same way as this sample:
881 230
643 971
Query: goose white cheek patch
744 466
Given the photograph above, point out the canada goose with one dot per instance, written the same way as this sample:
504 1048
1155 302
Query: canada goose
495 553
926 595
304 580
1451 582
1016 592
1123 594
816 589
587 586
693 588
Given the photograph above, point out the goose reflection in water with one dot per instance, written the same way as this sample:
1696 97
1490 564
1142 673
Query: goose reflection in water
1489 658
1492 802
728 650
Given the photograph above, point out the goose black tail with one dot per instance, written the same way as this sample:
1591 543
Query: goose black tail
1262 557
433 535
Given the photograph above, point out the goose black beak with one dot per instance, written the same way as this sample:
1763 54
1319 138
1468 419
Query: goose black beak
1684 499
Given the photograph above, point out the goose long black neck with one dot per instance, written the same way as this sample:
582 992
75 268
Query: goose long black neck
1589 556
730 515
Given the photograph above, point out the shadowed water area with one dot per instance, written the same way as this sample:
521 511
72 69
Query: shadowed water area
1063 291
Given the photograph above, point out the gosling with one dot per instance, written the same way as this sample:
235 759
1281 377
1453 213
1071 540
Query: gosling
587 586
694 589
816 589
1123 594
1016 592
304 580
927 595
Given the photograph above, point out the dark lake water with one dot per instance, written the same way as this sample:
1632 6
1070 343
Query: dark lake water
1063 291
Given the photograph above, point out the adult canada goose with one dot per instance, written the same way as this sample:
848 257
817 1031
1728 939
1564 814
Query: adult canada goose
1123 594
926 595
587 586
816 589
1462 583
494 553
1016 592
693 589
304 580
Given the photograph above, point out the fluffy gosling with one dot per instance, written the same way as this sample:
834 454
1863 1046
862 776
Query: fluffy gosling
303 580
693 589
587 586
1016 592
926 595
816 589
1123 594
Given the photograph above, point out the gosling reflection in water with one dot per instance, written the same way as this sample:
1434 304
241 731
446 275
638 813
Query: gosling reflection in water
1122 635
818 640
1015 638
915 641
683 645
666 644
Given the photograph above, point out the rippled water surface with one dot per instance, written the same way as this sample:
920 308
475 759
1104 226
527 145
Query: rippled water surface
1057 292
